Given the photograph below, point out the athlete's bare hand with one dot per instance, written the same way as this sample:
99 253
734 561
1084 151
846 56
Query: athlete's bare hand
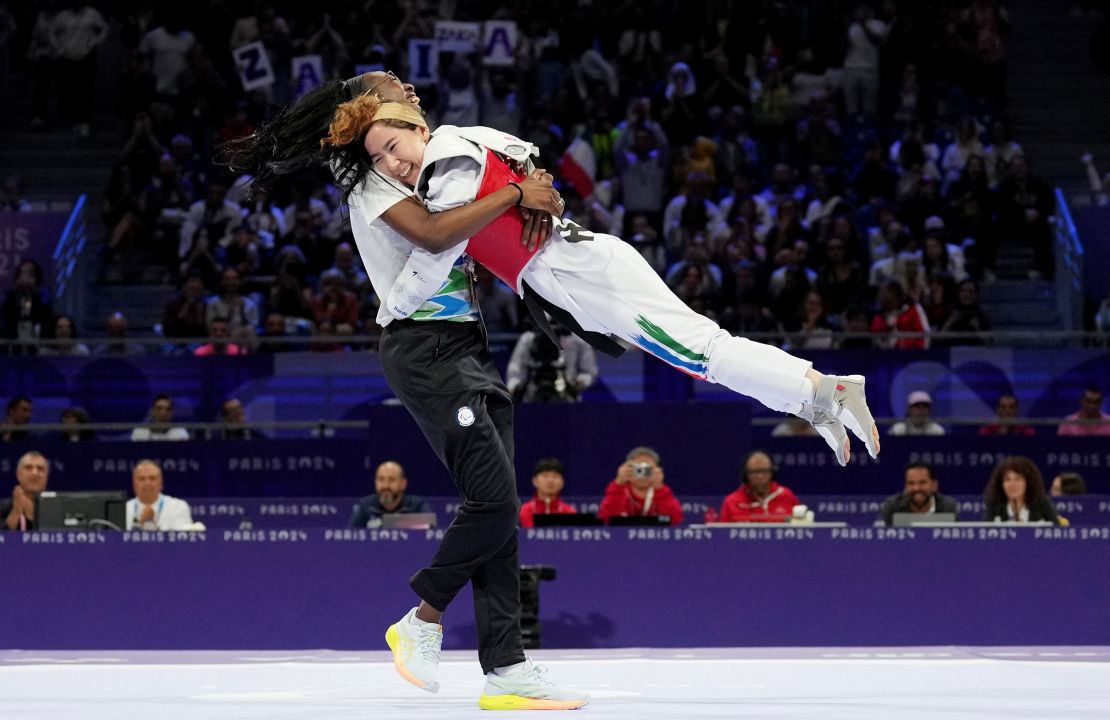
537 228
539 194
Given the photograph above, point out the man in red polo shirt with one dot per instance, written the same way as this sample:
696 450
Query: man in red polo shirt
760 497
548 479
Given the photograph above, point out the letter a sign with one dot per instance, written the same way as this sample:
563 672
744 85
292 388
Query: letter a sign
499 42
308 73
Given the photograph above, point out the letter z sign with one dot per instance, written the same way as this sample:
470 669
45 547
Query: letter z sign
254 66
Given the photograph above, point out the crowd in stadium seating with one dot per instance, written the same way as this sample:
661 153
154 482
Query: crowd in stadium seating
782 177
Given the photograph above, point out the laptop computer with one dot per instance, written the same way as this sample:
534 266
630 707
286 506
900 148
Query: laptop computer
409 521
565 519
910 518
639 520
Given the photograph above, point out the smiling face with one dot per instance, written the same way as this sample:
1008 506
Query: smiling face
396 152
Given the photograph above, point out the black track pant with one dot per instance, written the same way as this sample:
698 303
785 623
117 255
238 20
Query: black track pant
443 374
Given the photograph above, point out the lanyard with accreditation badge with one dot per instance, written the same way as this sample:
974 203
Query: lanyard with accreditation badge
157 511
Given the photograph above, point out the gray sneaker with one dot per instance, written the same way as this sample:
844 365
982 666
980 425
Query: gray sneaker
416 651
840 401
528 689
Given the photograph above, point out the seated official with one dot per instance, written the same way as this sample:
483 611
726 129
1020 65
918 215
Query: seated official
760 496
919 495
1068 483
151 509
1016 493
548 479
389 497
31 475
638 490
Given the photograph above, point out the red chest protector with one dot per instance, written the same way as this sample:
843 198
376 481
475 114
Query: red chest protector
497 245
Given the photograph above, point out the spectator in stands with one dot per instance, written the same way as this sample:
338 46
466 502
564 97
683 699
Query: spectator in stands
814 329
335 305
75 418
691 213
183 317
1001 152
151 509
234 418
31 475
26 311
967 316
971 204
866 36
18 413
639 490
355 280
857 323
77 32
288 295
760 496
939 301
247 253
166 48
920 494
938 255
389 497
899 314
240 311
643 157
220 343
65 337
276 327
1007 410
163 206
1025 206
1089 419
119 344
158 423
210 220
541 371
965 147
918 421
841 280
1015 493
548 479
1068 483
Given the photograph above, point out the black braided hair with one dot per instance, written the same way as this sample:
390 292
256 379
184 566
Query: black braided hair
291 142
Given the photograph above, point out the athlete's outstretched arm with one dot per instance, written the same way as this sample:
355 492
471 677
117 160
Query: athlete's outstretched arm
436 232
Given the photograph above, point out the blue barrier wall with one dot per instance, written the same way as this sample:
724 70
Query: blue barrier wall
315 588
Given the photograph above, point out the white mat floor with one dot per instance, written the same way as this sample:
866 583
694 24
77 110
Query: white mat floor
860 683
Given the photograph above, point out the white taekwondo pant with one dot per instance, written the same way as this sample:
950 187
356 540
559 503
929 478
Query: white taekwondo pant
609 288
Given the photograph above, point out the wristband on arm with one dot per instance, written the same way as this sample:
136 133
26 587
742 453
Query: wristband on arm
519 190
